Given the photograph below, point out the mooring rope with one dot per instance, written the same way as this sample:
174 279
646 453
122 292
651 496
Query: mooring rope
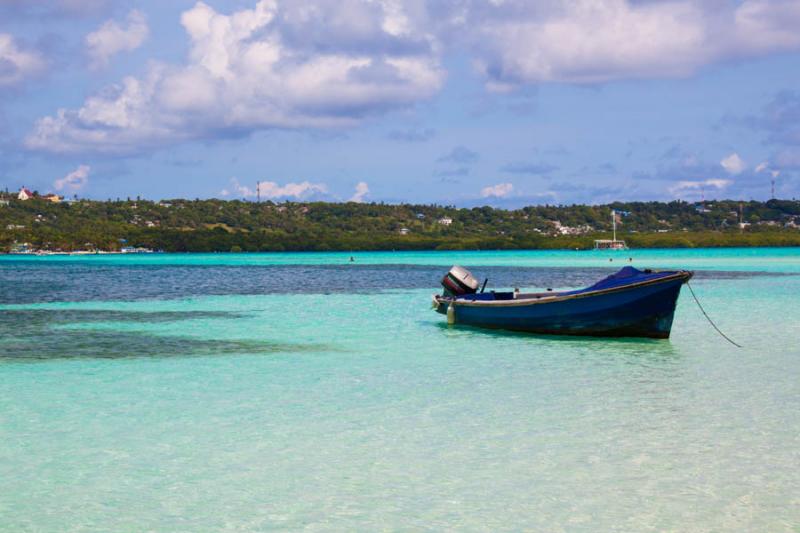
709 318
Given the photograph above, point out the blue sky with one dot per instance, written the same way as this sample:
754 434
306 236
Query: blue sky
466 102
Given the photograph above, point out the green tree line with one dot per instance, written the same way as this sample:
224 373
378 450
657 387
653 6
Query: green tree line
220 226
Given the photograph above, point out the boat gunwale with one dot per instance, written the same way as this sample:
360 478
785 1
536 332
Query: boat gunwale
686 275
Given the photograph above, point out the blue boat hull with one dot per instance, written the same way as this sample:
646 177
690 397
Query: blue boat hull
643 310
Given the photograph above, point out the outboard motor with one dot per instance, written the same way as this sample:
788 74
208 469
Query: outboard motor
459 281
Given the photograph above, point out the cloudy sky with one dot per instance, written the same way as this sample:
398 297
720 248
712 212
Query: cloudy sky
502 102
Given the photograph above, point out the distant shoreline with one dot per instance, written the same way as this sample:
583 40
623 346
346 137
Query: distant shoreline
687 243
205 226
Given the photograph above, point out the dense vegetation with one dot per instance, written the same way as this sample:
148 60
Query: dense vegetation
215 225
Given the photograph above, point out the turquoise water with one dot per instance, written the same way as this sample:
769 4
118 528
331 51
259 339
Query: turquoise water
767 259
336 399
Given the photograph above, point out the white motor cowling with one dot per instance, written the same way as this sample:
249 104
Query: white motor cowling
459 281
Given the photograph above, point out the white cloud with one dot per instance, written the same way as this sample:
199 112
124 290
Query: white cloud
75 180
694 186
271 190
765 166
362 190
500 190
733 164
331 63
587 42
17 64
590 41
239 190
299 191
763 26
111 38
288 65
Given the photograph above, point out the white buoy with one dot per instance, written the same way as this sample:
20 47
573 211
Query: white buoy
451 314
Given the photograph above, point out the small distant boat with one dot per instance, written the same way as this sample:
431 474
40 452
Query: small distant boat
613 243
135 250
609 244
629 303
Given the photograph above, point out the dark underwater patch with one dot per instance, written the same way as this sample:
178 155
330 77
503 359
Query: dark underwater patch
26 283
34 318
38 334
65 344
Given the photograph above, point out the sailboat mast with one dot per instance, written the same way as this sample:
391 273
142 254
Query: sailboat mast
614 223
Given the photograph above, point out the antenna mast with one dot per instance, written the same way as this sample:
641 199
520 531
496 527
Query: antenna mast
258 191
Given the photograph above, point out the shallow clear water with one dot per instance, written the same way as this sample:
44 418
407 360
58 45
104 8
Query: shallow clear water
296 391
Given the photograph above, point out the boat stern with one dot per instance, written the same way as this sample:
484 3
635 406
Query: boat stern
439 303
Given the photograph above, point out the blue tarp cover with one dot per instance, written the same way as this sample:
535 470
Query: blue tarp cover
625 276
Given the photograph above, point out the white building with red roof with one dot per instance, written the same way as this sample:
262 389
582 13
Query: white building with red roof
24 194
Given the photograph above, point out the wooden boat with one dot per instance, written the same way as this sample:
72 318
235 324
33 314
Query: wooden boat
629 303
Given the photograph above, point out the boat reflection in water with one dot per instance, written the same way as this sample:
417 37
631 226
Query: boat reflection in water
629 303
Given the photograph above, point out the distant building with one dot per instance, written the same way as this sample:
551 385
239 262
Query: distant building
403 231
4 202
54 198
24 194
571 230
420 216
445 221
